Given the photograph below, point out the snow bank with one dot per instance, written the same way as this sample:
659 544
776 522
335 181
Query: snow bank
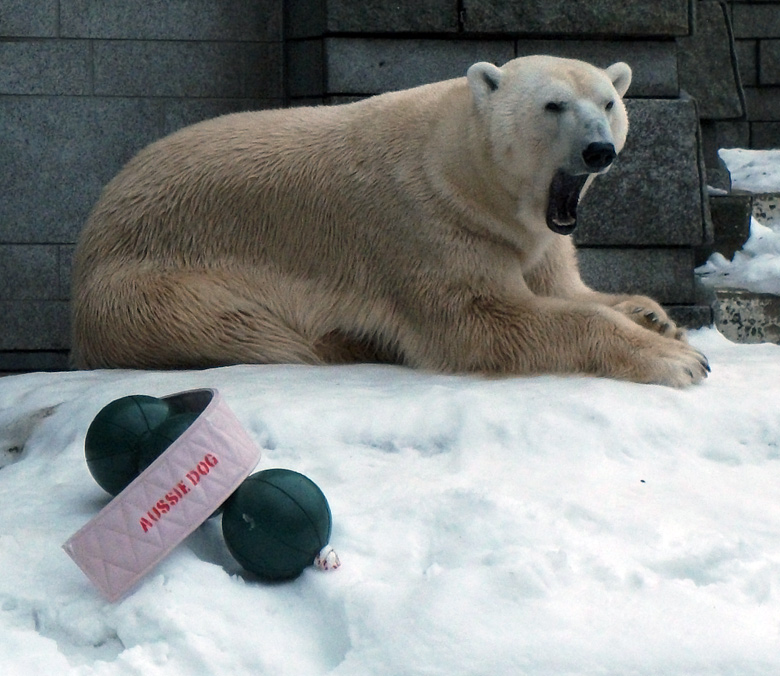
532 526
756 267
756 171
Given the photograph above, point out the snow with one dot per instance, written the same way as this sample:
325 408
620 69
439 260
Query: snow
755 171
756 267
539 526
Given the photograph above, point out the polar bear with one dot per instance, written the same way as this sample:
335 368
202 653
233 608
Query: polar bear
426 227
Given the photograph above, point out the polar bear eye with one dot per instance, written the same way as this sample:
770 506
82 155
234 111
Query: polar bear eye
610 105
554 107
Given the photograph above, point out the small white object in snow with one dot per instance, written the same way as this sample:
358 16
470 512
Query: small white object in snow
327 559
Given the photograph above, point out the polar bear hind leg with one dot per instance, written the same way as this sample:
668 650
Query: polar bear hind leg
180 319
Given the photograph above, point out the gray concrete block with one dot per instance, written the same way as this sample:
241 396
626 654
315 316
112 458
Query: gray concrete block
653 194
372 66
765 135
29 272
234 20
45 67
65 269
654 63
756 20
717 134
187 69
35 325
180 113
58 153
763 104
617 18
747 61
22 18
263 71
731 224
314 18
305 61
665 275
690 316
707 62
18 361
769 61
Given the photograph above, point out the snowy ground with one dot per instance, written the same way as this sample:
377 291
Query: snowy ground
532 526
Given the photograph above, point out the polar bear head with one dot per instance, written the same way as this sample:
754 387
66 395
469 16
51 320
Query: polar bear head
551 125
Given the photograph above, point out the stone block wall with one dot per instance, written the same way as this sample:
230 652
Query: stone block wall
756 25
84 85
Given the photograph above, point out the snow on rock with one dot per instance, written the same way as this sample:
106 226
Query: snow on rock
539 526
756 171
756 267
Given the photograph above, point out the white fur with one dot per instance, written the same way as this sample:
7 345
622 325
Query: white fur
408 227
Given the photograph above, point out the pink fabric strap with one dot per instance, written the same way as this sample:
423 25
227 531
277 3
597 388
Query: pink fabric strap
169 500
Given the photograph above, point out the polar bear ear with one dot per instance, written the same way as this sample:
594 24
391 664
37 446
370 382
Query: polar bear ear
620 74
484 79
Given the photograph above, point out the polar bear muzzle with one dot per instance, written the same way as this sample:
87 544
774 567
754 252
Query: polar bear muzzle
562 203
565 188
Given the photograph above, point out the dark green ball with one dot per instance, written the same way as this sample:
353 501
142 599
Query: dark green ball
115 437
154 442
276 523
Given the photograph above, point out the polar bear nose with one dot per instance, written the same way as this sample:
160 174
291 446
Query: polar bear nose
599 155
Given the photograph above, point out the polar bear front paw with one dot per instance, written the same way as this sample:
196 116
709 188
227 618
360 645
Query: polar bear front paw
673 363
649 315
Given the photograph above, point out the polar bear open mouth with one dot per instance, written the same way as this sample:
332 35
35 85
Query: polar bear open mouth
562 203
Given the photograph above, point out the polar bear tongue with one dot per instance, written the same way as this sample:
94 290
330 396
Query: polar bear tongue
562 203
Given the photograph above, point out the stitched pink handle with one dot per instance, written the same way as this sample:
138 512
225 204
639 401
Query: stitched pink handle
169 500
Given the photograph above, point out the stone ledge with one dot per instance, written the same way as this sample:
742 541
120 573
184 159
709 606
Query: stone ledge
747 317
766 208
